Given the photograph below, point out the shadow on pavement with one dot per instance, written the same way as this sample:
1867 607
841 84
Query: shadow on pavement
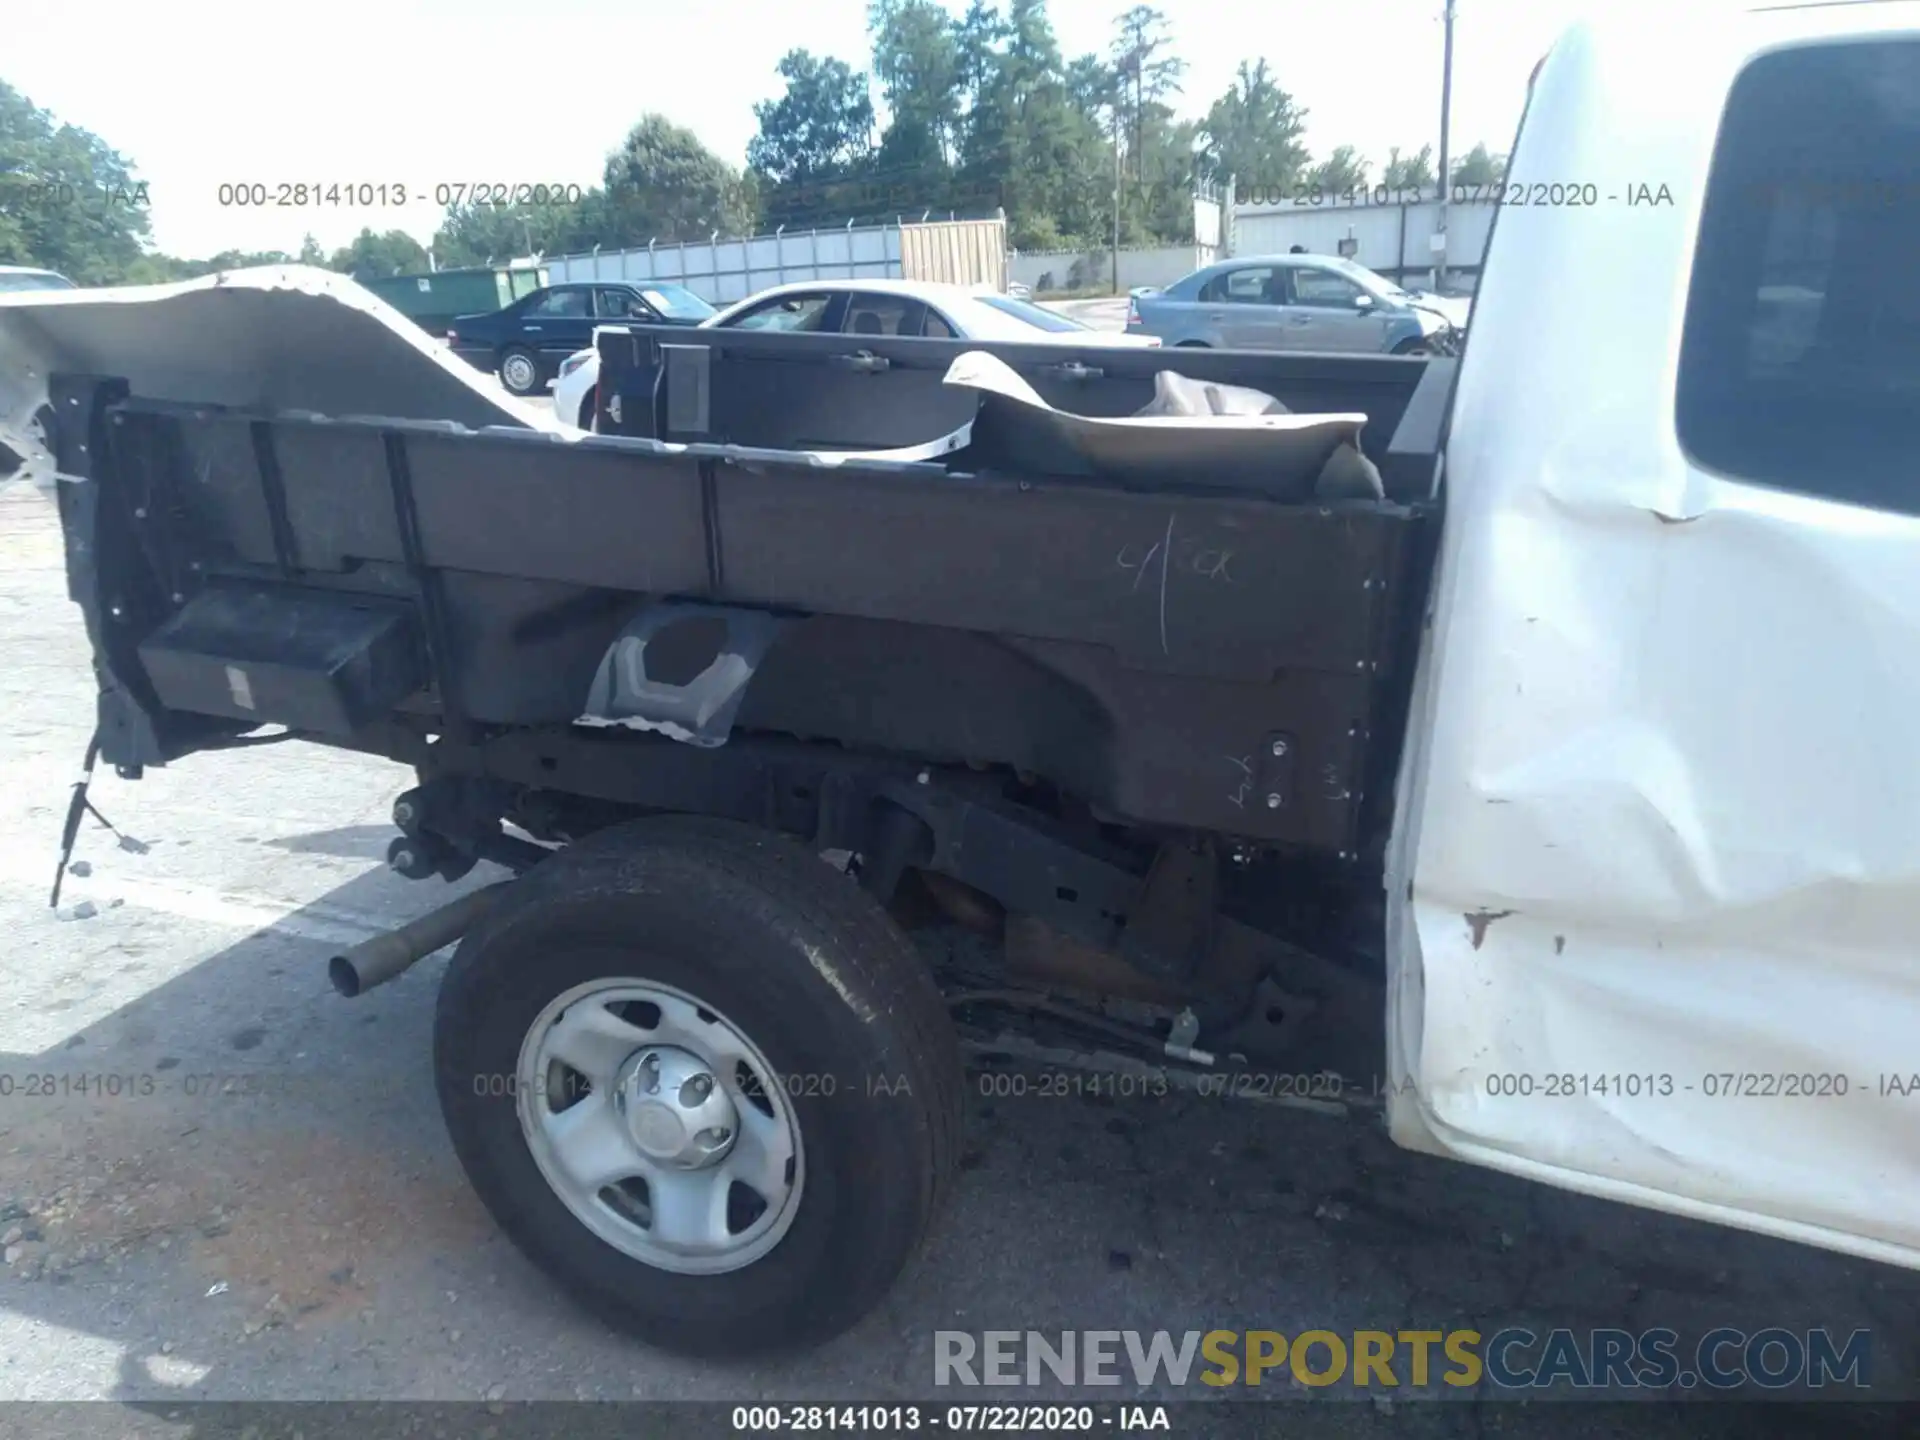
236 1187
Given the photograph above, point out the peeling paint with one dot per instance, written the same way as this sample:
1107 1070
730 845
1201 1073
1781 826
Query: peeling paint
1479 920
634 722
698 711
335 349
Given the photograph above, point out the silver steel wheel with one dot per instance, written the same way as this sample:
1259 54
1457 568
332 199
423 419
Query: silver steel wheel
517 373
660 1125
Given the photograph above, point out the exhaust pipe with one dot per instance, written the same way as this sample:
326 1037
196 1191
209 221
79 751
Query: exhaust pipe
377 960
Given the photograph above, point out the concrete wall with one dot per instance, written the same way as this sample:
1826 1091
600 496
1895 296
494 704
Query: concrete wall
969 252
1093 269
1392 238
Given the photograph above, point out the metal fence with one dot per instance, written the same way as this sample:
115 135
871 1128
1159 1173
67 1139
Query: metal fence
720 271
1059 271
1397 239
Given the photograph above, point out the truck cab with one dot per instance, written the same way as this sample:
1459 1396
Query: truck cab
1651 888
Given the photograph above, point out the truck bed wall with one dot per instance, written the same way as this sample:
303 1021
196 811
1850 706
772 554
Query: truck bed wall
1202 660
784 391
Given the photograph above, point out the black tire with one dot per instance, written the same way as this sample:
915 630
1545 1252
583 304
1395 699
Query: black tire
587 415
814 972
1414 347
509 366
1193 345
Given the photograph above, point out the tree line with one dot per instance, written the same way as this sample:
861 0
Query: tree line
983 113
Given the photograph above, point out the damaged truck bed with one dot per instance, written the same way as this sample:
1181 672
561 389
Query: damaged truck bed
1194 646
1118 691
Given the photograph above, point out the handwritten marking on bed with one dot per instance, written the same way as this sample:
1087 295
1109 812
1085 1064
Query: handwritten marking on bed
1238 796
1189 555
1207 564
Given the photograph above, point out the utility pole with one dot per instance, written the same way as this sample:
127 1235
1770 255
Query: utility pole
1116 199
1128 64
1446 174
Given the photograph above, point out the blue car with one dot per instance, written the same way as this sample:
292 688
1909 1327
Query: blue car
525 342
1291 302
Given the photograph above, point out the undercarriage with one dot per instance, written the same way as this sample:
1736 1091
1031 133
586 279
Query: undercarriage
1054 937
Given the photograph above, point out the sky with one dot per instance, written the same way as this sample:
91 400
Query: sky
421 93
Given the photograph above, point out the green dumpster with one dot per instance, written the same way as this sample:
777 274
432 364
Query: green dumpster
432 300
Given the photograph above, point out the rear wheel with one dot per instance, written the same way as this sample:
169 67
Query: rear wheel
586 412
1193 345
700 1078
1414 347
520 371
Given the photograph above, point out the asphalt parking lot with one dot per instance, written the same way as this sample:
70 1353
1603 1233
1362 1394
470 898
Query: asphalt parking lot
219 1180
1106 313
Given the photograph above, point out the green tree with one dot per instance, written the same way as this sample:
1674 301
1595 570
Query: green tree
370 255
482 234
1408 172
977 37
1148 75
1086 209
1160 210
1159 151
815 142
68 200
661 184
310 251
155 268
1030 142
1343 171
1252 133
472 234
1478 167
916 60
1094 89
238 260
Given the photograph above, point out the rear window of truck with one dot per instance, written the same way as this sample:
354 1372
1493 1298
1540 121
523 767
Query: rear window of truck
1800 361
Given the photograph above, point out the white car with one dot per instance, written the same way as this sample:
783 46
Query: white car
866 307
23 277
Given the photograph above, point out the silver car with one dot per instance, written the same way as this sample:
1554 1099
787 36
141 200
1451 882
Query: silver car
1291 302
23 277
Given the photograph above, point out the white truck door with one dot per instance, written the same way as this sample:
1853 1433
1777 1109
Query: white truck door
1655 884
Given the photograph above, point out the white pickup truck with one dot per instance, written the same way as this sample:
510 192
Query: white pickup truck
1656 870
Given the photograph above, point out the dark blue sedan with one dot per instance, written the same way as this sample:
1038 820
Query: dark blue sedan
525 343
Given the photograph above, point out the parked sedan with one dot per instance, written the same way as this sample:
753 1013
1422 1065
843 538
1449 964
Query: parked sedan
22 277
865 307
526 342
1292 302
